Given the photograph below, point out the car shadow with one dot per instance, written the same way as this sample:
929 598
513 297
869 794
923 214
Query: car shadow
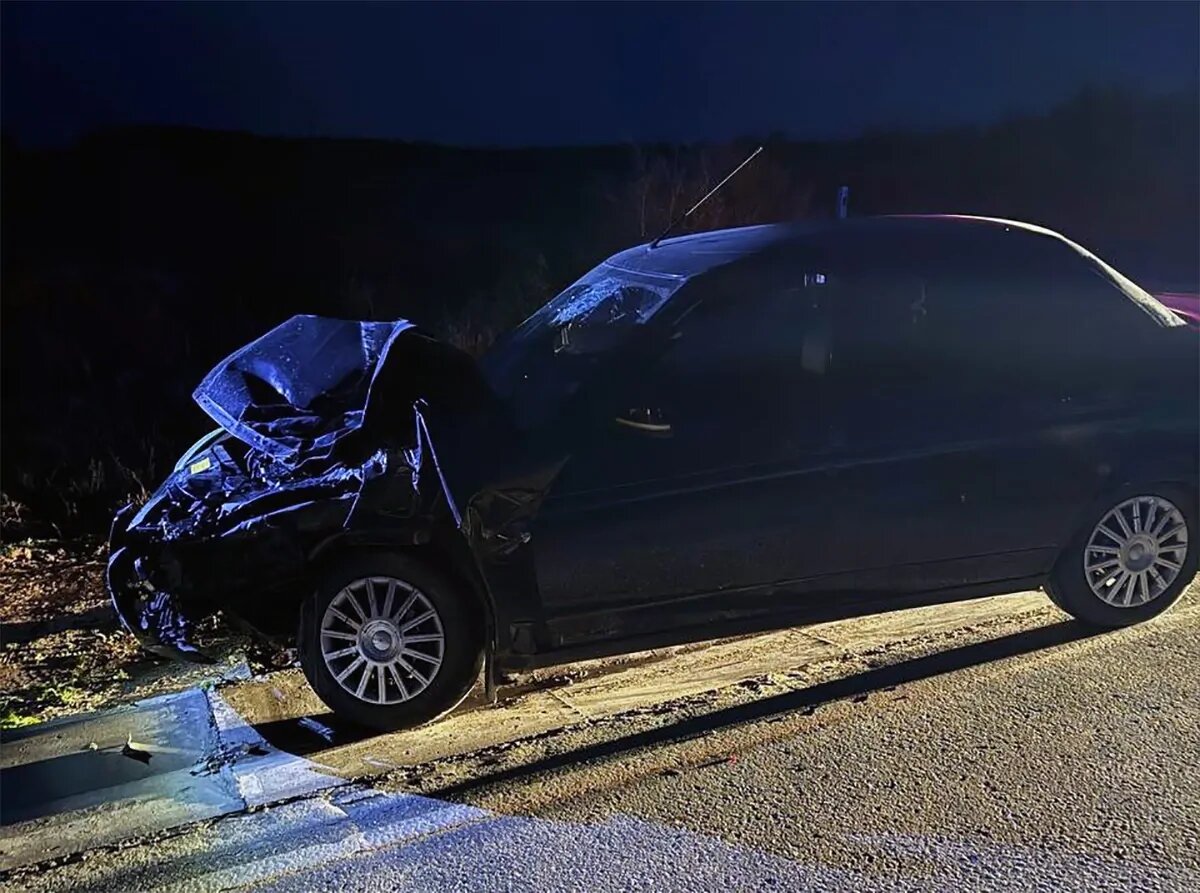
778 706
308 735
22 632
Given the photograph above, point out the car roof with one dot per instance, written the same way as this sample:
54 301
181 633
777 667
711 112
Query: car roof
698 253
955 237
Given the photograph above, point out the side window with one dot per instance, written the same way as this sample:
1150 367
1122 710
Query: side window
884 325
1029 326
1026 299
768 337
743 378
963 335
915 363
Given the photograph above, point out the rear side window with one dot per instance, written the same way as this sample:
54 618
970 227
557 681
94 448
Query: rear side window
1011 319
1030 309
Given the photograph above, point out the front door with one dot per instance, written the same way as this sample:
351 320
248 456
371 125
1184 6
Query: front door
706 471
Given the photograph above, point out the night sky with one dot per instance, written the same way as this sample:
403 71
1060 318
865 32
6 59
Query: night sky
573 73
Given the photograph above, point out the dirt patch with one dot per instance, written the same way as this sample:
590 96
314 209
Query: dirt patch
72 671
64 652
81 670
40 581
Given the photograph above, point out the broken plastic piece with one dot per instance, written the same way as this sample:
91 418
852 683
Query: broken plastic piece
317 728
135 751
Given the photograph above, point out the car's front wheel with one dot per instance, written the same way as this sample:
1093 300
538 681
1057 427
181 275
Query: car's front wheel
1132 561
388 642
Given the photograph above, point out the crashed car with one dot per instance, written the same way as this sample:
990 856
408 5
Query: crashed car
713 435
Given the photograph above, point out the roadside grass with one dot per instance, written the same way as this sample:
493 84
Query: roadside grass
11 719
71 671
27 708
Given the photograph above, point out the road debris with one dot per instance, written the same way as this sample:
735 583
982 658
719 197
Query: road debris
227 756
317 728
136 751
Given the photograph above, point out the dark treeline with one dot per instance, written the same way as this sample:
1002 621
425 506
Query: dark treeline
137 258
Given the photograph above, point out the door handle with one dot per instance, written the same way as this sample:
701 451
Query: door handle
650 421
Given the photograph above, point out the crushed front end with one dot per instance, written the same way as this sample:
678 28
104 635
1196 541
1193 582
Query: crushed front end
228 529
234 524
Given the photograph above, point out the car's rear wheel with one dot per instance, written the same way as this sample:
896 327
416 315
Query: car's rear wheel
387 642
1132 561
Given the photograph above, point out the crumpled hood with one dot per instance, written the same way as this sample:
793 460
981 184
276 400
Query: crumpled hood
300 388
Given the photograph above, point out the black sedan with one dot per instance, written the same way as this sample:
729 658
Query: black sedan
721 433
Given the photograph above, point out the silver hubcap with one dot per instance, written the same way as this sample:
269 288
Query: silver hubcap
382 640
1136 551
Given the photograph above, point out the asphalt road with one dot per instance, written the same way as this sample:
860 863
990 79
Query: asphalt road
1036 757
1072 767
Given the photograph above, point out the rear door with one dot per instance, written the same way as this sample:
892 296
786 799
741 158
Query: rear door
977 409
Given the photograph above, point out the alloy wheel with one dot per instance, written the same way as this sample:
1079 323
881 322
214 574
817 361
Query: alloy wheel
1136 551
382 640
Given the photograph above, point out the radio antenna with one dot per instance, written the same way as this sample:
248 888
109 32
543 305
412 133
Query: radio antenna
686 214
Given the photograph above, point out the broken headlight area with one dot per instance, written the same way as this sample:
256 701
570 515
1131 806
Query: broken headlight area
160 621
227 519
160 618
229 484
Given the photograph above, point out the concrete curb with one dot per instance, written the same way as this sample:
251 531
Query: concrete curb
72 785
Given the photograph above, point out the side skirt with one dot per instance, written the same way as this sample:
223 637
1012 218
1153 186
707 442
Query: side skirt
620 630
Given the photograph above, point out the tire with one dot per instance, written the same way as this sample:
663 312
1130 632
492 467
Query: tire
1069 584
381 646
